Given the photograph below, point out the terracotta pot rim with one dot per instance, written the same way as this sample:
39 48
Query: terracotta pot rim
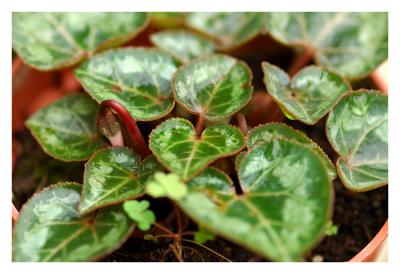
373 246
364 255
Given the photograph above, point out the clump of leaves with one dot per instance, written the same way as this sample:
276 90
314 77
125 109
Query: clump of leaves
277 198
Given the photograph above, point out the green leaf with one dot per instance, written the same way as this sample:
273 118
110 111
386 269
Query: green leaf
176 146
230 29
66 129
166 185
182 44
357 129
268 132
49 228
54 40
285 206
203 235
354 44
214 87
331 229
310 95
238 159
165 20
137 78
114 175
139 212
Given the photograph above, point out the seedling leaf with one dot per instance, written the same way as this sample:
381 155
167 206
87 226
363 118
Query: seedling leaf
166 185
50 228
229 29
48 40
286 203
114 175
182 44
214 87
203 235
357 129
309 96
176 146
353 43
268 132
66 129
137 78
139 212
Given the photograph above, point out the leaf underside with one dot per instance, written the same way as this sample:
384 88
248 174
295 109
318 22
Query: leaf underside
268 132
307 97
66 129
354 43
285 206
137 78
48 40
214 87
182 44
114 175
50 228
229 29
176 146
357 129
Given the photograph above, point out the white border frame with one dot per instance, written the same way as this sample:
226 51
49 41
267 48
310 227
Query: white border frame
7 7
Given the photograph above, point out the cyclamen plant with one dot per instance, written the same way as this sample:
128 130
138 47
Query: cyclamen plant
277 202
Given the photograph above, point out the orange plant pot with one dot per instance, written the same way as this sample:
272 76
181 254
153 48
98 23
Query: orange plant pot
29 84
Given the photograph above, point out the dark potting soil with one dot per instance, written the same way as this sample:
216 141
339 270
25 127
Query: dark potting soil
359 216
34 169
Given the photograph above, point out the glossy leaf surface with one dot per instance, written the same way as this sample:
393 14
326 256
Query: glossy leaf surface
176 146
214 87
354 44
285 206
230 29
182 44
50 228
357 128
137 78
268 132
53 40
307 97
66 129
114 175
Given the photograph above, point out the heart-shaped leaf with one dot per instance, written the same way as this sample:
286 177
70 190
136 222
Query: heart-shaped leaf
285 206
357 128
139 212
48 40
137 78
66 129
49 228
307 97
176 146
214 87
354 44
182 44
114 175
230 29
268 132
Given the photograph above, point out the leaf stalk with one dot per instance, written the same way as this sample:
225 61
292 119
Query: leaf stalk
111 115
